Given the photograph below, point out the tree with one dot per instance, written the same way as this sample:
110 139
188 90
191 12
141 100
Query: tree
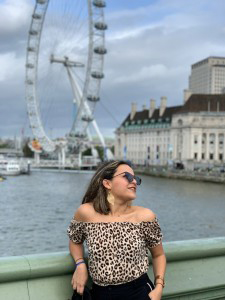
27 151
113 149
100 152
2 146
87 152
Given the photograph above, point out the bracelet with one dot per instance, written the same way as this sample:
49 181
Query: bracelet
158 277
81 262
78 259
160 283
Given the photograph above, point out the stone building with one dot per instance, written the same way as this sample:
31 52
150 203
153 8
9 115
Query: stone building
191 134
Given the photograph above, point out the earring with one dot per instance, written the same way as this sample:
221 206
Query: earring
110 198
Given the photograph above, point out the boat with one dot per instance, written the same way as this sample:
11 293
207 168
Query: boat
9 167
2 178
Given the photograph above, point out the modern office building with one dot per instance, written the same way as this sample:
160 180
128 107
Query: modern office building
208 76
193 133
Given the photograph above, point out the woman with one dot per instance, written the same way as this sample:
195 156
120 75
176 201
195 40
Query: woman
118 236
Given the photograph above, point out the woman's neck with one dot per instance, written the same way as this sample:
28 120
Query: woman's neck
118 210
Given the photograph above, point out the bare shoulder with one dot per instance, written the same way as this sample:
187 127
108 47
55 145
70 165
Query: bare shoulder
84 212
144 214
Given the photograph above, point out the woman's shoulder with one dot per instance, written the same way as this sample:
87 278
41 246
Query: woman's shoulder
84 212
144 214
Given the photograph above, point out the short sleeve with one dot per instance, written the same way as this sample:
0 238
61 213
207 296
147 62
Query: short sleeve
76 231
152 233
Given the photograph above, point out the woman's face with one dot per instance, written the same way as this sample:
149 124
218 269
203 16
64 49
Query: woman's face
120 187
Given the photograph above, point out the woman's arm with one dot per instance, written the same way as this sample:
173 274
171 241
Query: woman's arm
159 268
157 252
80 275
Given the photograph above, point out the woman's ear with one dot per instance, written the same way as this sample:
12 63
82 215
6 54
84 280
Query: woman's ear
106 183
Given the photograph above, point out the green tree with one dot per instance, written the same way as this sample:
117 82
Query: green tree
100 152
27 151
112 149
87 152
2 146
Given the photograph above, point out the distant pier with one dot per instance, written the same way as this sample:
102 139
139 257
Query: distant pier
198 175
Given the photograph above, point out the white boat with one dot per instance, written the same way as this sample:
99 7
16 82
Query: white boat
9 167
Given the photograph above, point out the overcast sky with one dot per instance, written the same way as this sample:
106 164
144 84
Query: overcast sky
151 46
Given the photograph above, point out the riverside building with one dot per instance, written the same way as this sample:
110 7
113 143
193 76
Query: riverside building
208 76
191 134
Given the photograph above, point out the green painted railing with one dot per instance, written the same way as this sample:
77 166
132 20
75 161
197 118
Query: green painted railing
195 270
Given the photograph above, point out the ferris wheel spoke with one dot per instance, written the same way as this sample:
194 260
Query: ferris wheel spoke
69 33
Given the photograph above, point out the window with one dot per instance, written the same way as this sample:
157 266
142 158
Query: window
203 155
180 122
211 139
196 155
220 156
196 139
211 156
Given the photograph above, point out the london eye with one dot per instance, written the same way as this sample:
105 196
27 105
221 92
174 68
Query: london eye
65 51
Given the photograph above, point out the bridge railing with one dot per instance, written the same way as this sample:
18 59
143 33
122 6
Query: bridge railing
195 270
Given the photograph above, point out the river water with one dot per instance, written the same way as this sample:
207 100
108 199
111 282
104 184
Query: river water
35 210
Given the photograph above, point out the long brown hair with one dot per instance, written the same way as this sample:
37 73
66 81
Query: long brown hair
96 192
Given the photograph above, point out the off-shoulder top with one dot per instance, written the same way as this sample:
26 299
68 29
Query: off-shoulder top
117 251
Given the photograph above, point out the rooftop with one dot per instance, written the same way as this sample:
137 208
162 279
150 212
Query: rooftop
196 103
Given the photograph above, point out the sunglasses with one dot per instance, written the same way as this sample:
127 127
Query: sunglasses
130 177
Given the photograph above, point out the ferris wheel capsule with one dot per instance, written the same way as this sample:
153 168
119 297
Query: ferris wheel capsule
51 41
99 3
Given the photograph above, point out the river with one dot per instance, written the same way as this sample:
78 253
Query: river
35 210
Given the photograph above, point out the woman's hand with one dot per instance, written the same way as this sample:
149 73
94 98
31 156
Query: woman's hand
80 278
156 294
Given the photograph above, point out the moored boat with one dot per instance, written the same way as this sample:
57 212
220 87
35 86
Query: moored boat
2 178
9 167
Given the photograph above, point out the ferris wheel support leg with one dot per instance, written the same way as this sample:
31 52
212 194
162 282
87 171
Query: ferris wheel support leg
77 93
95 125
79 160
37 158
63 154
59 159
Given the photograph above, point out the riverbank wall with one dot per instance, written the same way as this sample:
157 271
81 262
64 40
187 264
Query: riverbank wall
195 270
205 176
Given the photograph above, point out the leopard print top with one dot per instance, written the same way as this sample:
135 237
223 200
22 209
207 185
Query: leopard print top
117 251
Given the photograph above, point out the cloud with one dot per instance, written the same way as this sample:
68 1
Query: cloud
11 66
151 46
147 72
14 16
14 25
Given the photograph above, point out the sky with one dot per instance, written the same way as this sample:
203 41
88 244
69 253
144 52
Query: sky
151 47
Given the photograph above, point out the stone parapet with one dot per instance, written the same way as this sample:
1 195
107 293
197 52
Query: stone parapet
195 270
